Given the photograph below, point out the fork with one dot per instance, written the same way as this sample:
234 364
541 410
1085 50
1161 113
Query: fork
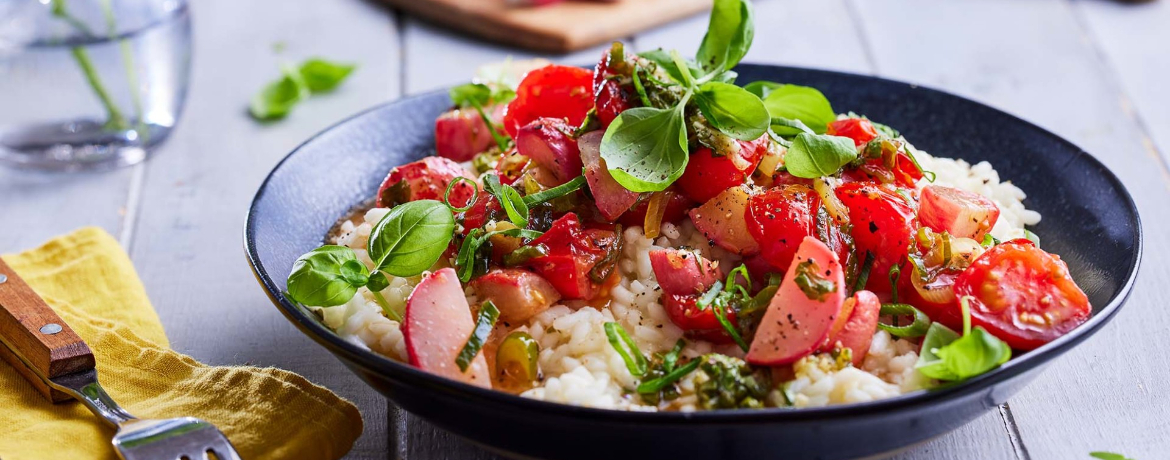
60 365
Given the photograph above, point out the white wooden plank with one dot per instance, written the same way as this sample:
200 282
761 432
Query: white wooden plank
188 240
1133 41
37 206
436 58
1033 59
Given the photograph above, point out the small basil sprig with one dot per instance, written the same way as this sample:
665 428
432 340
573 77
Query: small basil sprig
947 356
327 276
411 237
488 314
793 102
478 96
818 155
314 76
645 148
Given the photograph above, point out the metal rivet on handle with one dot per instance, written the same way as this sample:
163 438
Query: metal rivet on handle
3 278
50 329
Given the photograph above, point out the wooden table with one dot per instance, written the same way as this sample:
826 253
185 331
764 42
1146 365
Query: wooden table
1093 71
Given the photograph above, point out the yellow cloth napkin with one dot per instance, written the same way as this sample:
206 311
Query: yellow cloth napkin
88 279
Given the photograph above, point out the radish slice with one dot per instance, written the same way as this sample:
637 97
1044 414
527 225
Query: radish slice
796 325
858 332
961 213
612 199
721 219
683 272
461 133
437 325
546 141
519 294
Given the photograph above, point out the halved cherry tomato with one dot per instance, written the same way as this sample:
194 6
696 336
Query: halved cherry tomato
707 173
572 254
883 223
904 174
779 219
486 208
1023 295
858 129
425 179
943 311
961 213
555 91
612 98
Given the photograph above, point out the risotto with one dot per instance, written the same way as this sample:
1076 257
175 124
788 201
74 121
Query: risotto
649 236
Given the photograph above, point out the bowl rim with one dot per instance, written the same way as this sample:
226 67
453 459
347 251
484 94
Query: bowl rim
383 366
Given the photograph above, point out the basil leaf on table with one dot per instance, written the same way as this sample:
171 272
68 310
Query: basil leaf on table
733 110
1108 456
818 155
729 36
322 76
411 237
645 148
802 103
327 276
278 98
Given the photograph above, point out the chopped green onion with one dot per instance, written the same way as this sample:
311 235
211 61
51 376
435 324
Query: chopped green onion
929 175
764 297
988 241
501 140
1034 238
916 329
605 267
470 202
721 315
555 192
863 275
709 296
741 270
640 89
656 385
895 273
523 254
483 328
625 346
671 358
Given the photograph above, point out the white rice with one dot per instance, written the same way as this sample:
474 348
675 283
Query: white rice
580 367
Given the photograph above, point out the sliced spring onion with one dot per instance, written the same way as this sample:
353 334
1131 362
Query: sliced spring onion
763 298
929 175
895 273
470 202
735 273
916 329
671 358
555 192
1034 238
863 275
517 357
627 348
483 328
501 140
640 89
824 187
709 296
605 267
721 315
524 254
988 241
656 385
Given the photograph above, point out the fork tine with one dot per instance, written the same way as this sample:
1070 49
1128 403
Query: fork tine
223 449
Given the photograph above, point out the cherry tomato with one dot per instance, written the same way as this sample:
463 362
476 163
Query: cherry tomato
707 173
942 308
959 212
612 97
858 129
554 91
572 254
425 179
883 223
779 219
486 208
698 324
1023 295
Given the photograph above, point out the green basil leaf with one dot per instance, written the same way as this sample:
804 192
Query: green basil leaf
664 61
640 89
929 363
761 88
779 124
818 155
645 148
799 103
1108 456
322 76
411 237
729 36
470 94
326 277
278 98
733 110
377 282
974 354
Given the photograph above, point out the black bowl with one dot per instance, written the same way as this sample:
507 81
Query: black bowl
1089 219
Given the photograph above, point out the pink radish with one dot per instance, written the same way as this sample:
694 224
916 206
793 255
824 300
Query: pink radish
961 213
519 294
858 332
721 219
798 323
461 133
612 199
547 141
683 272
438 323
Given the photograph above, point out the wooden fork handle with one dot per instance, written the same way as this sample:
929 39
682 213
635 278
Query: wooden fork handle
35 340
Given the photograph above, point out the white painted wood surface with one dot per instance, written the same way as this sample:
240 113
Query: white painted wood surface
1090 70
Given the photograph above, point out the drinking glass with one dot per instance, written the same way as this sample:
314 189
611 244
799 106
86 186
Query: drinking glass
90 84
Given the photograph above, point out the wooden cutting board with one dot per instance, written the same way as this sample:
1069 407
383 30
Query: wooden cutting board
559 28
